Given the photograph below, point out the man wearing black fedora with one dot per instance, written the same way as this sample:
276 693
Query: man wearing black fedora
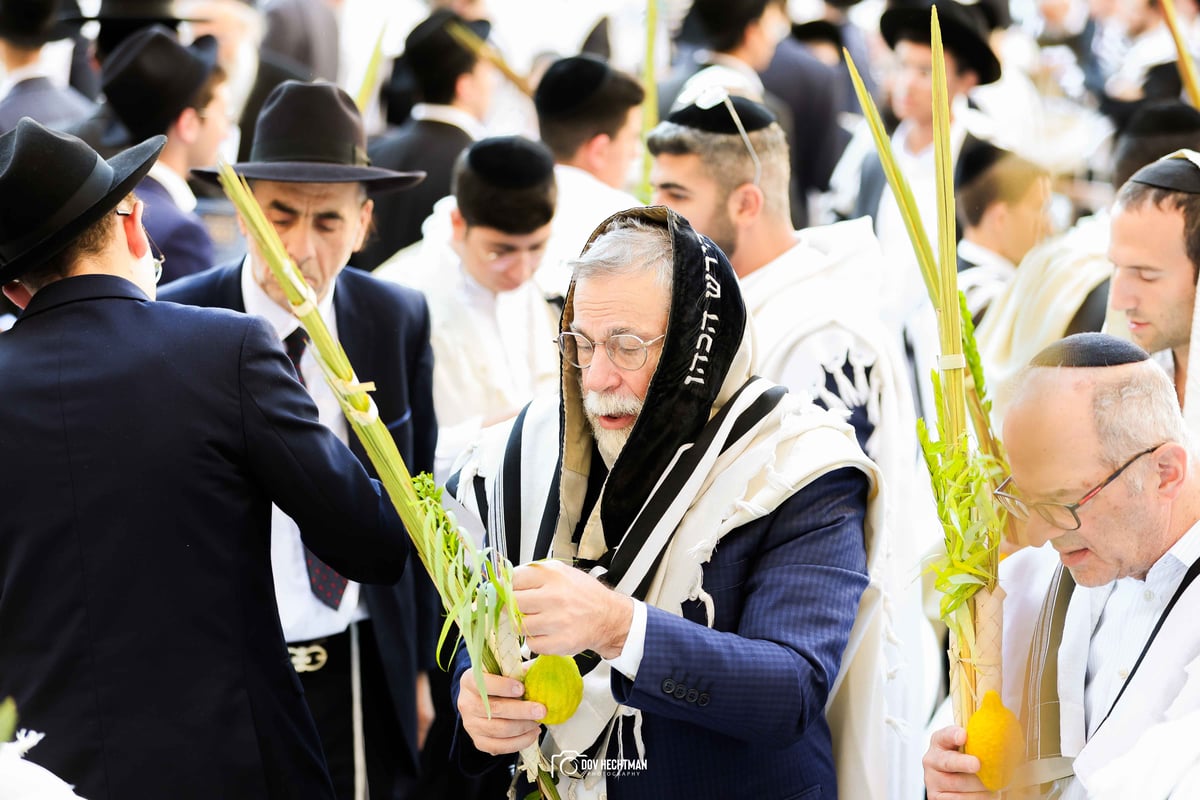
144 444
309 171
25 28
118 19
155 85
452 89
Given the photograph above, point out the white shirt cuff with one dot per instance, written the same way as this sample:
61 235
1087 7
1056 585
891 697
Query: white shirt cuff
630 659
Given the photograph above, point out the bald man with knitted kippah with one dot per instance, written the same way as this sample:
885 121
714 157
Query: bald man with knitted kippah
1099 632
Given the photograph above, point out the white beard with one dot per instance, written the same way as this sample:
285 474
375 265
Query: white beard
610 443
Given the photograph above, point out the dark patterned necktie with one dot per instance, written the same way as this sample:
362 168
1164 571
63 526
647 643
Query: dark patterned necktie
326 583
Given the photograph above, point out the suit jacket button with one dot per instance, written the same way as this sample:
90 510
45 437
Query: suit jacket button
692 695
680 691
702 701
668 686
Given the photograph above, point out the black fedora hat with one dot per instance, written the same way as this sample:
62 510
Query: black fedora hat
313 133
137 11
963 33
56 187
150 78
32 23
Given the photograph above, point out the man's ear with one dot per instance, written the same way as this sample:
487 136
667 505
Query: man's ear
458 225
365 216
135 234
745 204
1171 461
595 152
187 125
19 293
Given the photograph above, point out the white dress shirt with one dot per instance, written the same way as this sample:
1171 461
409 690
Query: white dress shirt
1128 612
450 115
176 186
302 615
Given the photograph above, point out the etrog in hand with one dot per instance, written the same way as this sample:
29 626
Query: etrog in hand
555 682
994 737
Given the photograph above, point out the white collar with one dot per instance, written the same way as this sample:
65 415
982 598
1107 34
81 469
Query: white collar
177 188
259 303
450 116
35 70
980 256
1186 550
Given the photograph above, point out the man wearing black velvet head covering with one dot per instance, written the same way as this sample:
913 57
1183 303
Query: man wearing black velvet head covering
1102 469
710 539
1155 251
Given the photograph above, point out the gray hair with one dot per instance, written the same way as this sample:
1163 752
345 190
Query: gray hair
1135 413
727 161
629 246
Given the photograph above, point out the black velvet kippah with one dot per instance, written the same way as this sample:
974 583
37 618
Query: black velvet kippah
568 84
976 158
1090 350
511 162
1173 172
717 119
1166 117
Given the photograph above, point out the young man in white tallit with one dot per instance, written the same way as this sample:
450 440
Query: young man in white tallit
706 546
1101 645
812 295
1155 251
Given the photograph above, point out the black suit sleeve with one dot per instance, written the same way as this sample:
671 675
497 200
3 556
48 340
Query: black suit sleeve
343 515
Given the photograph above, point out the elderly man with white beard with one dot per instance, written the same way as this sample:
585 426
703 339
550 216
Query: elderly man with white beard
699 540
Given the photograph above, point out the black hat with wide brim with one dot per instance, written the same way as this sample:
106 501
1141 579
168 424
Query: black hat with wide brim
963 34
33 23
57 186
150 78
313 133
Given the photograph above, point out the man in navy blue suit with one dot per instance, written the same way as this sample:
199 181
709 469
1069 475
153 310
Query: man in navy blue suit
144 444
154 85
309 172
698 539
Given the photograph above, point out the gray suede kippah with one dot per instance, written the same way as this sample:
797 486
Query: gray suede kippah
1090 350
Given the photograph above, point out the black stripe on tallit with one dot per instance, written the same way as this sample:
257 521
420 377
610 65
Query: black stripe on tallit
510 470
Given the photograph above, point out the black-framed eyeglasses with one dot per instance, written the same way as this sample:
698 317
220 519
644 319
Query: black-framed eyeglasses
713 95
160 258
625 351
1064 516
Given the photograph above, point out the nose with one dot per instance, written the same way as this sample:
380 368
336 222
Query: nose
299 243
1038 531
1120 296
602 375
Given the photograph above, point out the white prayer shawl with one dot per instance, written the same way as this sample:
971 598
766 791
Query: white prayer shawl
1051 283
812 306
1165 688
21 779
790 447
986 280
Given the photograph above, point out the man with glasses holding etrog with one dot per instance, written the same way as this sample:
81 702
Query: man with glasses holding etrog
699 539
1099 642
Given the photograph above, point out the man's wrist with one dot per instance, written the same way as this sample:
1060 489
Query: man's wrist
617 630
